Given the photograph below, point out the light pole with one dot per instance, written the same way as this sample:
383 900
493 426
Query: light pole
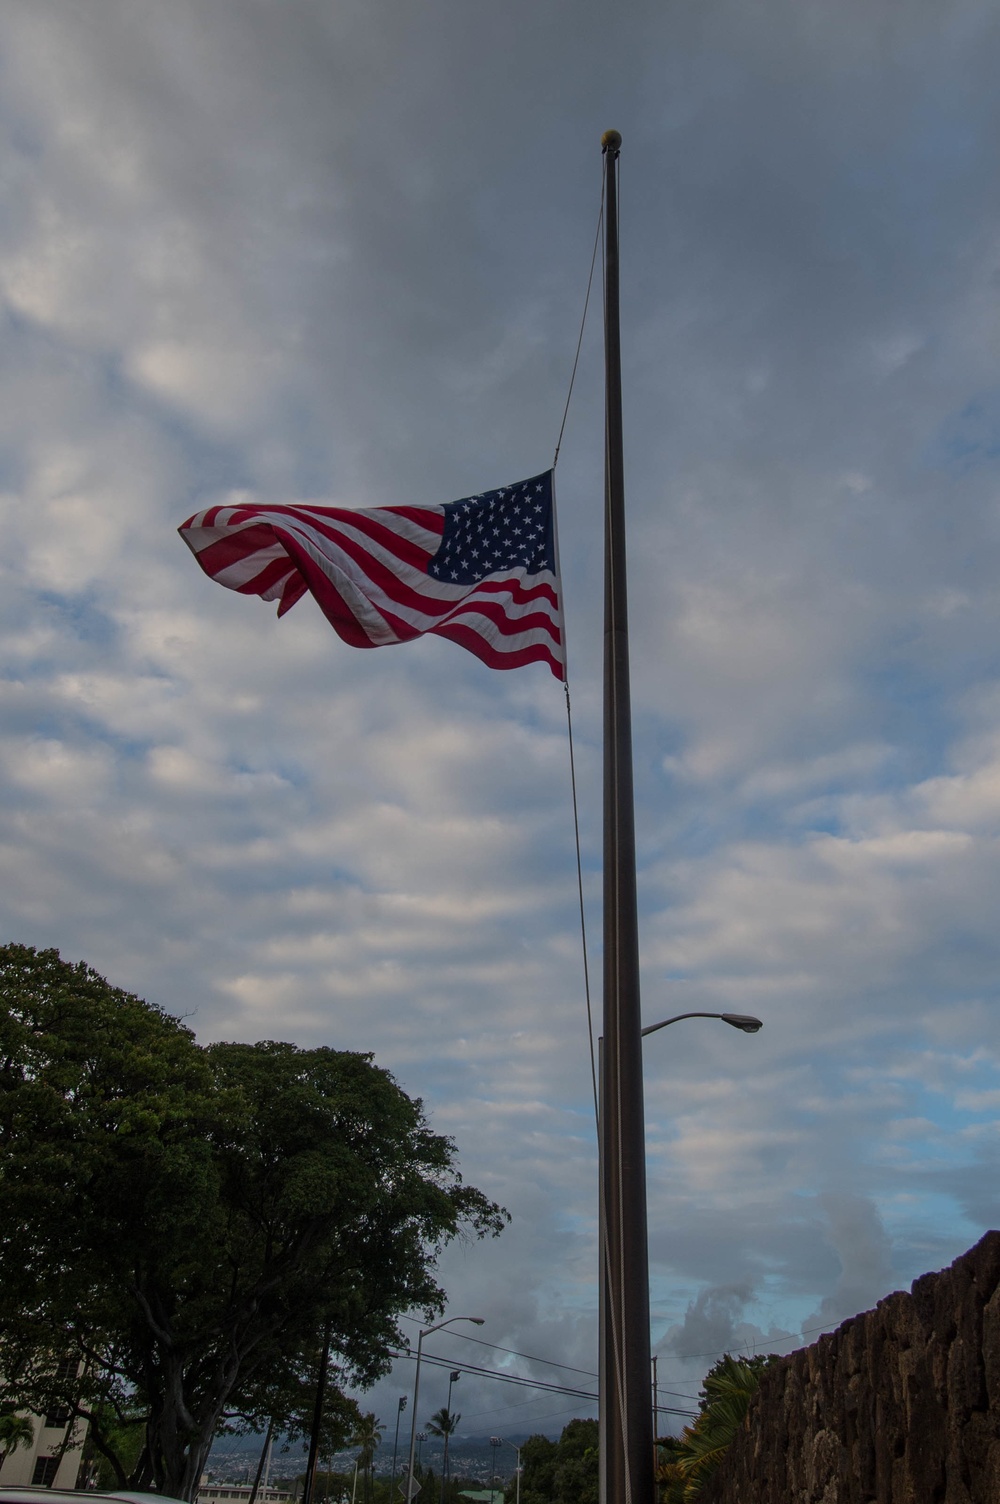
476 1321
494 1443
395 1446
608 1434
748 1025
499 1441
453 1378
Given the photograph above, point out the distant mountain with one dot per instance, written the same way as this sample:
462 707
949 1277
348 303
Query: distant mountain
234 1459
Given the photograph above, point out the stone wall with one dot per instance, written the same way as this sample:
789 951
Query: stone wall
900 1405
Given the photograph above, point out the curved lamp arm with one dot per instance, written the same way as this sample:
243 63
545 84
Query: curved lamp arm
744 1021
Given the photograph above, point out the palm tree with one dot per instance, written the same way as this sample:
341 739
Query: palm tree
691 1460
15 1431
443 1423
368 1436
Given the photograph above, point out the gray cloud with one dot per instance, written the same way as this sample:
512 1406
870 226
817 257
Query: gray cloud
864 1251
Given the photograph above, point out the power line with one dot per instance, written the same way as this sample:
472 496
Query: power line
789 1337
587 1372
591 1374
540 1385
504 1378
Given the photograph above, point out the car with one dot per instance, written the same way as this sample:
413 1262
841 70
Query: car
33 1493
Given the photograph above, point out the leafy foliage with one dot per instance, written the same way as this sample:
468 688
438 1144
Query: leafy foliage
688 1461
367 1436
443 1422
15 1431
183 1223
560 1472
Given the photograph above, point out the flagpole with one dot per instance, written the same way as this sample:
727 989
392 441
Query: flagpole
625 1389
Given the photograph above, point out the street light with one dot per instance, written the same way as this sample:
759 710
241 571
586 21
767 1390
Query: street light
498 1441
395 1447
476 1321
453 1378
606 1388
744 1021
494 1443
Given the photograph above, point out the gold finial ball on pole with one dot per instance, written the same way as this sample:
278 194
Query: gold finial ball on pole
611 141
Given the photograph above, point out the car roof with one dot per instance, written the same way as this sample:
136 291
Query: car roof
33 1493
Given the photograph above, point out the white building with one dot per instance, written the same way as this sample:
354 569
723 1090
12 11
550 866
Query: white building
53 1459
230 1493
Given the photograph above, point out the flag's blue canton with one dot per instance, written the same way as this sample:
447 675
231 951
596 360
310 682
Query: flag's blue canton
496 532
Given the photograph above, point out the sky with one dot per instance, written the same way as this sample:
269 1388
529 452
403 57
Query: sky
291 250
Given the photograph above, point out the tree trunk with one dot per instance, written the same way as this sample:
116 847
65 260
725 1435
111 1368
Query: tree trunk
178 1443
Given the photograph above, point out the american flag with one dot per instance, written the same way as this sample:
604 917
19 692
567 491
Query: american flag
481 570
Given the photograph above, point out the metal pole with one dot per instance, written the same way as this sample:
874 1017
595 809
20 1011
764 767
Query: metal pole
494 1443
476 1321
602 1284
453 1378
413 1422
265 1460
307 1492
395 1447
625 1383
500 1441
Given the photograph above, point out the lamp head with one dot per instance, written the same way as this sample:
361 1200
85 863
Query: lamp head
744 1021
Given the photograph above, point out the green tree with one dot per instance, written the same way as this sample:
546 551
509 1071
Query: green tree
688 1461
15 1431
560 1472
368 1437
185 1222
443 1423
538 1471
124 1438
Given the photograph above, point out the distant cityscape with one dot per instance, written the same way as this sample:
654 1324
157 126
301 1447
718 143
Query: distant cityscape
234 1459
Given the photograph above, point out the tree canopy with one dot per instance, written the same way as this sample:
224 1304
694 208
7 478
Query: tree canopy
560 1472
181 1223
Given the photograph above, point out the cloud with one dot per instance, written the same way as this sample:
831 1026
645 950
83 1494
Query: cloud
863 1249
710 1321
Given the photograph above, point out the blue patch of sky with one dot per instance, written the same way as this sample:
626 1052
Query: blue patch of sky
969 437
921 1218
291 773
819 817
20 135
12 471
283 875
82 618
908 710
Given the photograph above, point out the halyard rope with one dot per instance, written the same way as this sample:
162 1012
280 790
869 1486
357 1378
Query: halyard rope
613 1336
